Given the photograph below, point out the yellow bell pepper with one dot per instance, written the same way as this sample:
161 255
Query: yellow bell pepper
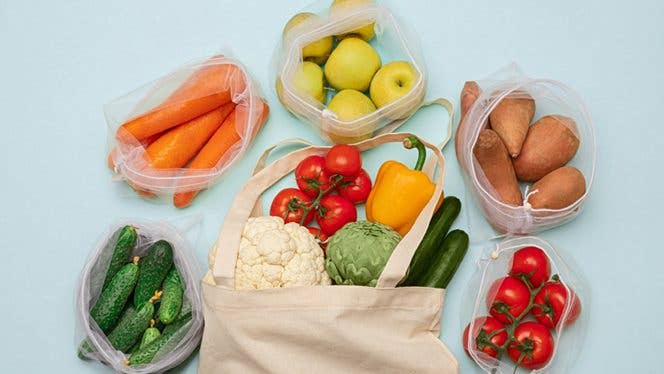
399 193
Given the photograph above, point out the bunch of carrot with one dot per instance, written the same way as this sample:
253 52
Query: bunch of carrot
193 128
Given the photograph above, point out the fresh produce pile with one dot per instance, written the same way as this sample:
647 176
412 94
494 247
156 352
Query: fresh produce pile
142 308
345 74
193 130
527 308
354 252
512 150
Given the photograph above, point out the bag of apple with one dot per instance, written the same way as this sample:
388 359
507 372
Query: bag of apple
527 309
349 69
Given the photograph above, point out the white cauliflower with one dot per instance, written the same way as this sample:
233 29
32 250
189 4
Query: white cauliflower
273 254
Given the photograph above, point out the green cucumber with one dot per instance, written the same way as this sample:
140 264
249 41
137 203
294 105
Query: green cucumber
430 244
112 300
154 267
85 348
171 302
447 261
150 334
121 253
168 336
130 328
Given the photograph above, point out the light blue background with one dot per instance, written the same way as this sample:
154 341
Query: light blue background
61 61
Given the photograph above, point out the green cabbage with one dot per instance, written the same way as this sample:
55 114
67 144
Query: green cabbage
357 254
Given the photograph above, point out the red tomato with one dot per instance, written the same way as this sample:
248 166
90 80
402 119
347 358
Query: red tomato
344 160
357 190
507 296
288 204
550 304
335 211
532 264
533 345
320 236
311 176
489 334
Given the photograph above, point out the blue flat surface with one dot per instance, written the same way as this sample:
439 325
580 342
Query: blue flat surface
61 61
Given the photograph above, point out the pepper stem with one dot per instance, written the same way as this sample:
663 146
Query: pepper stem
413 142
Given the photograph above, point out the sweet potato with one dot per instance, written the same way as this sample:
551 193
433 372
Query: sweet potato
550 143
510 119
558 189
469 94
496 164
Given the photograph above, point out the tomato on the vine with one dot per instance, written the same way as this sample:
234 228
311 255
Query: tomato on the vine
489 335
549 304
532 347
531 264
290 204
311 175
334 212
320 237
356 189
344 160
507 298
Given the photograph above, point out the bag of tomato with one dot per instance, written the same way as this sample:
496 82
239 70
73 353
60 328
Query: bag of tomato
525 309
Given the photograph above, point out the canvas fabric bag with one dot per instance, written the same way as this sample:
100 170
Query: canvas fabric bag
321 329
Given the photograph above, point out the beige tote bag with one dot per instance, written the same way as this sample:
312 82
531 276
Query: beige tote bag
321 329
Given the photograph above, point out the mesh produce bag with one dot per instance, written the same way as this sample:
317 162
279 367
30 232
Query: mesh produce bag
326 23
551 98
92 279
567 334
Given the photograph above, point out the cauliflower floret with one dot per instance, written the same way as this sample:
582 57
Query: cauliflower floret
273 254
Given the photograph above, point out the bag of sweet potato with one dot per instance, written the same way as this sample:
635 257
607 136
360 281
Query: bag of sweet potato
526 147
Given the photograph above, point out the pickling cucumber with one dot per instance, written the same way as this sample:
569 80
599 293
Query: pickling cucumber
112 300
168 336
131 327
445 264
121 252
431 243
150 334
154 267
171 302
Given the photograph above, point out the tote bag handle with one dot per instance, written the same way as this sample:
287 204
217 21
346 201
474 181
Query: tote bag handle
228 243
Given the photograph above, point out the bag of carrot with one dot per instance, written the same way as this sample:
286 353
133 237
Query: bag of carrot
175 136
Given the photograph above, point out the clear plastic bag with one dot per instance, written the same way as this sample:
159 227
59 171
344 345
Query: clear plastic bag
198 87
392 41
551 97
568 334
91 281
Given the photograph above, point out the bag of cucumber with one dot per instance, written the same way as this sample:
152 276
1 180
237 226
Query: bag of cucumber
138 301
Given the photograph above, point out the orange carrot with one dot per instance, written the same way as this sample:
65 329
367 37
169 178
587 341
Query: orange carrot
208 88
175 148
208 157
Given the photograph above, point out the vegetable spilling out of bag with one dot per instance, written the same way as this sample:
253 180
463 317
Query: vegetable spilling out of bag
529 307
137 325
177 141
400 193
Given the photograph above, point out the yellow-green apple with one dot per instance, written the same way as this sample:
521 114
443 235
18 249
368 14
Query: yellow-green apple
317 51
391 82
365 32
352 65
307 81
350 105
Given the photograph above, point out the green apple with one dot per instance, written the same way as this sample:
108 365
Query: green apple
364 32
391 82
352 65
307 81
317 51
350 105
